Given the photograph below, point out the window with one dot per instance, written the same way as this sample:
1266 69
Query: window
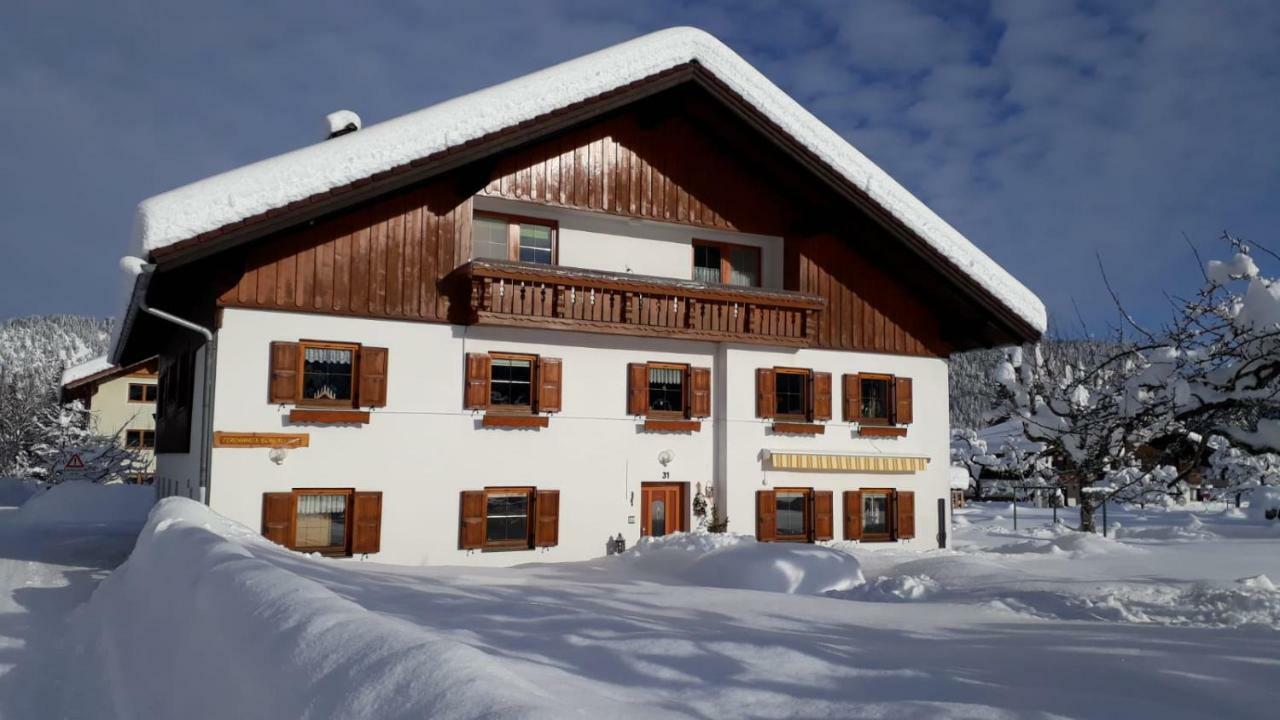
879 402
141 439
879 515
327 373
875 514
506 518
794 515
142 392
726 264
511 381
320 523
789 393
511 385
792 519
174 402
666 389
511 237
509 518
875 399
331 521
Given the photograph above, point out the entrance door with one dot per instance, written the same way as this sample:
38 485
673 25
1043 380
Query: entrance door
661 508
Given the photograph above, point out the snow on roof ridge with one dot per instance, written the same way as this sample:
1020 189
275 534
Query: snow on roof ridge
88 368
244 192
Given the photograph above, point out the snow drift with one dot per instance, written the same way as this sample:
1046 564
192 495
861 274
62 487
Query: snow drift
16 491
739 562
80 503
223 629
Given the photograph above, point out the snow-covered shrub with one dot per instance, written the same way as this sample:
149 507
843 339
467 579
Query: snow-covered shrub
1264 505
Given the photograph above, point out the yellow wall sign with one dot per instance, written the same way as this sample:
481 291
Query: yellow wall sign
260 440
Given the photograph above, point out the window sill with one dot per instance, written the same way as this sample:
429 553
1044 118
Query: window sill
329 417
679 426
795 428
882 431
497 420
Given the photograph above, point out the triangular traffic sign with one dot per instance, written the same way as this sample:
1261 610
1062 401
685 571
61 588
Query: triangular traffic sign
75 463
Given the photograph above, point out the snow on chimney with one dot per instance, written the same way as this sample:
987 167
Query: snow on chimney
342 122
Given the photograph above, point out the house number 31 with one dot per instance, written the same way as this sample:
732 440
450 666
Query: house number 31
666 475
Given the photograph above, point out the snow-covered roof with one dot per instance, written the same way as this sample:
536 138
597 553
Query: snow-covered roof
249 191
86 369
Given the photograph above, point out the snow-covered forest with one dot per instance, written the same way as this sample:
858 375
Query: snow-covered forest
33 353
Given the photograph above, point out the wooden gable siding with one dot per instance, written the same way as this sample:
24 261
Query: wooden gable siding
652 164
382 259
868 309
680 157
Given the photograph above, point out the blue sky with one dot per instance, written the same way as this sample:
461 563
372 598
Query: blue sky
1048 132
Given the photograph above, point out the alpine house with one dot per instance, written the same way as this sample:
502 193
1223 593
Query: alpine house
640 292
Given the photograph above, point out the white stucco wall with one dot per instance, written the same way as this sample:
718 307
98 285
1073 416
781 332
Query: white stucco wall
112 413
423 449
644 247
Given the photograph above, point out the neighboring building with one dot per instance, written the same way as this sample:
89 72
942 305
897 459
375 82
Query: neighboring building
122 404
565 309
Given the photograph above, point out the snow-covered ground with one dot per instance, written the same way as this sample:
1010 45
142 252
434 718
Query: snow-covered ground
54 551
1177 618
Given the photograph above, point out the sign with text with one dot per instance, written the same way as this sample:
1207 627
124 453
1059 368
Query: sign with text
260 440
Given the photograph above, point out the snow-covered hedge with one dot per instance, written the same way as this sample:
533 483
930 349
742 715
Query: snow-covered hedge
739 562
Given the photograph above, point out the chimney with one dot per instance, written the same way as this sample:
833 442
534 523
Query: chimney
341 123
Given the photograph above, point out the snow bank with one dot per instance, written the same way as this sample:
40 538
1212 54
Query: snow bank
205 621
1193 529
1062 540
16 491
740 562
1262 501
242 193
82 503
894 588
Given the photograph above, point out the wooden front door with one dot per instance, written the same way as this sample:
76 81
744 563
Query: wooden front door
661 508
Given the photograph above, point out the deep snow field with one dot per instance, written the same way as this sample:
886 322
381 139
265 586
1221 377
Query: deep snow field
1177 618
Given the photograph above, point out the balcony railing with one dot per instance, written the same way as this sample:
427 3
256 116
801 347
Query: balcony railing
497 292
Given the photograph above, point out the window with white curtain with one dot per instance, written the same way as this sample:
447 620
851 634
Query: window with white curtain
326 373
321 521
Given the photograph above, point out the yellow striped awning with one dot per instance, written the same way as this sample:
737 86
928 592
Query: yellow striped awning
820 462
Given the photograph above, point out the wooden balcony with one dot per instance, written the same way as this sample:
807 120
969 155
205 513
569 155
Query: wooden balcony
497 292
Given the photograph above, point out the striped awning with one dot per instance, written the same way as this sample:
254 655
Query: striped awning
824 462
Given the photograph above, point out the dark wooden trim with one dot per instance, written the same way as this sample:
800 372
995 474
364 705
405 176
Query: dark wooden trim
659 425
502 420
880 431
328 417
792 428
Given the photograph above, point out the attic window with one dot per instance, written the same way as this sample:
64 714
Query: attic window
510 237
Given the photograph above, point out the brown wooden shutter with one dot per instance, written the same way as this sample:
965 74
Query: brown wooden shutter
471 520
766 393
277 518
823 515
546 527
820 397
852 514
637 389
699 392
766 516
852 398
282 388
477 388
372 390
902 401
550 374
905 505
366 522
